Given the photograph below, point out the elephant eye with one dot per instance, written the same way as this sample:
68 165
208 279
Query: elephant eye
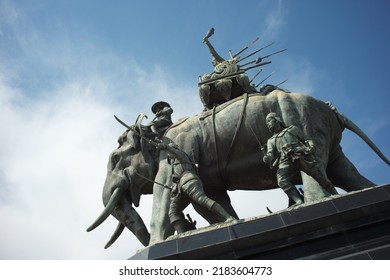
130 150
114 160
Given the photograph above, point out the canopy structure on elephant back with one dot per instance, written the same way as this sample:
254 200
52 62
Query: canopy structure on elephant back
230 78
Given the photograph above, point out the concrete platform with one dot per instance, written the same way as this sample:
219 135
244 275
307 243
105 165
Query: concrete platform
350 226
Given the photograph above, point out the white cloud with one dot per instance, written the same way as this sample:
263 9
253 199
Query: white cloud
302 76
57 100
274 20
58 131
53 155
55 144
56 139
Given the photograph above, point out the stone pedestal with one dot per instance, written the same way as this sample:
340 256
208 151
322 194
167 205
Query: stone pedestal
350 226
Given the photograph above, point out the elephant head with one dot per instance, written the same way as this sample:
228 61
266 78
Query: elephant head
128 170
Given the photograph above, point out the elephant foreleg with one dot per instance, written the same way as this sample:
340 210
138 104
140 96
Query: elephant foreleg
160 226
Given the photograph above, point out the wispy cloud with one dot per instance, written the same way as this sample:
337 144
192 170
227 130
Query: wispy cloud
275 20
57 103
58 93
52 156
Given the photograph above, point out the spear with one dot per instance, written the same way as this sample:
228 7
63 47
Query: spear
273 53
152 181
246 47
260 59
252 53
265 79
255 66
257 60
257 74
281 82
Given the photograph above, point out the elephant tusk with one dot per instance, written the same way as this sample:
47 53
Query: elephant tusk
112 203
118 231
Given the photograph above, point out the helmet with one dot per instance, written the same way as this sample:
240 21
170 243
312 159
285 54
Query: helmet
159 105
274 116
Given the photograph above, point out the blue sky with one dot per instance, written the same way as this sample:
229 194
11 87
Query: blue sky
66 67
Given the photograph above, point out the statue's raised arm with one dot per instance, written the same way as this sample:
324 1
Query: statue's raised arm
216 57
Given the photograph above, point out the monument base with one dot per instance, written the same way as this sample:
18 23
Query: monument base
350 226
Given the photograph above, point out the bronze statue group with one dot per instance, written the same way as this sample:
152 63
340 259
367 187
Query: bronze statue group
287 151
200 158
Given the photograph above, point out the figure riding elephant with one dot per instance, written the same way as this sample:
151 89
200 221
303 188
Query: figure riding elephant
224 143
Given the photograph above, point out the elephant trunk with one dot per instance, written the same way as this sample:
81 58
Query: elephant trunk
112 203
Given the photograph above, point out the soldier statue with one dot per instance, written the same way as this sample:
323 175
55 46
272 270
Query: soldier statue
290 152
163 119
186 188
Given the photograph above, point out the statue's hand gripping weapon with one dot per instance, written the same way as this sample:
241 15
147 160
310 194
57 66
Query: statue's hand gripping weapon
261 146
150 141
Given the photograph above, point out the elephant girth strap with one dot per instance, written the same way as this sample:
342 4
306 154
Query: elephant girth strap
236 132
216 147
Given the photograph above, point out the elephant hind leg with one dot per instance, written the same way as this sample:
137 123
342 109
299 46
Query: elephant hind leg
315 180
312 189
344 175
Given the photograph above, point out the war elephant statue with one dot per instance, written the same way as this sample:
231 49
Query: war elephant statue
224 143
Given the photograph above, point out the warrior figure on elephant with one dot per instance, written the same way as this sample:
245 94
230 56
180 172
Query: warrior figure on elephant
186 188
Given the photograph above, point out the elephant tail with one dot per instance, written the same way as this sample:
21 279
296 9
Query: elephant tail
354 128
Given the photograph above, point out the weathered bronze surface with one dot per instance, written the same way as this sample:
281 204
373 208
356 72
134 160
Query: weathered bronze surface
245 139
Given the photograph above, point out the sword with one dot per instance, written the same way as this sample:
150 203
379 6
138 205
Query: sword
257 139
209 34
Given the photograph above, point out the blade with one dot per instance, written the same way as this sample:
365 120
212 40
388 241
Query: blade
121 122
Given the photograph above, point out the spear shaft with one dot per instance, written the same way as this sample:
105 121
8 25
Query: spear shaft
255 52
150 141
246 47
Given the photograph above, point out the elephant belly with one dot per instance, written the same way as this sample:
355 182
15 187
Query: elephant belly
246 173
